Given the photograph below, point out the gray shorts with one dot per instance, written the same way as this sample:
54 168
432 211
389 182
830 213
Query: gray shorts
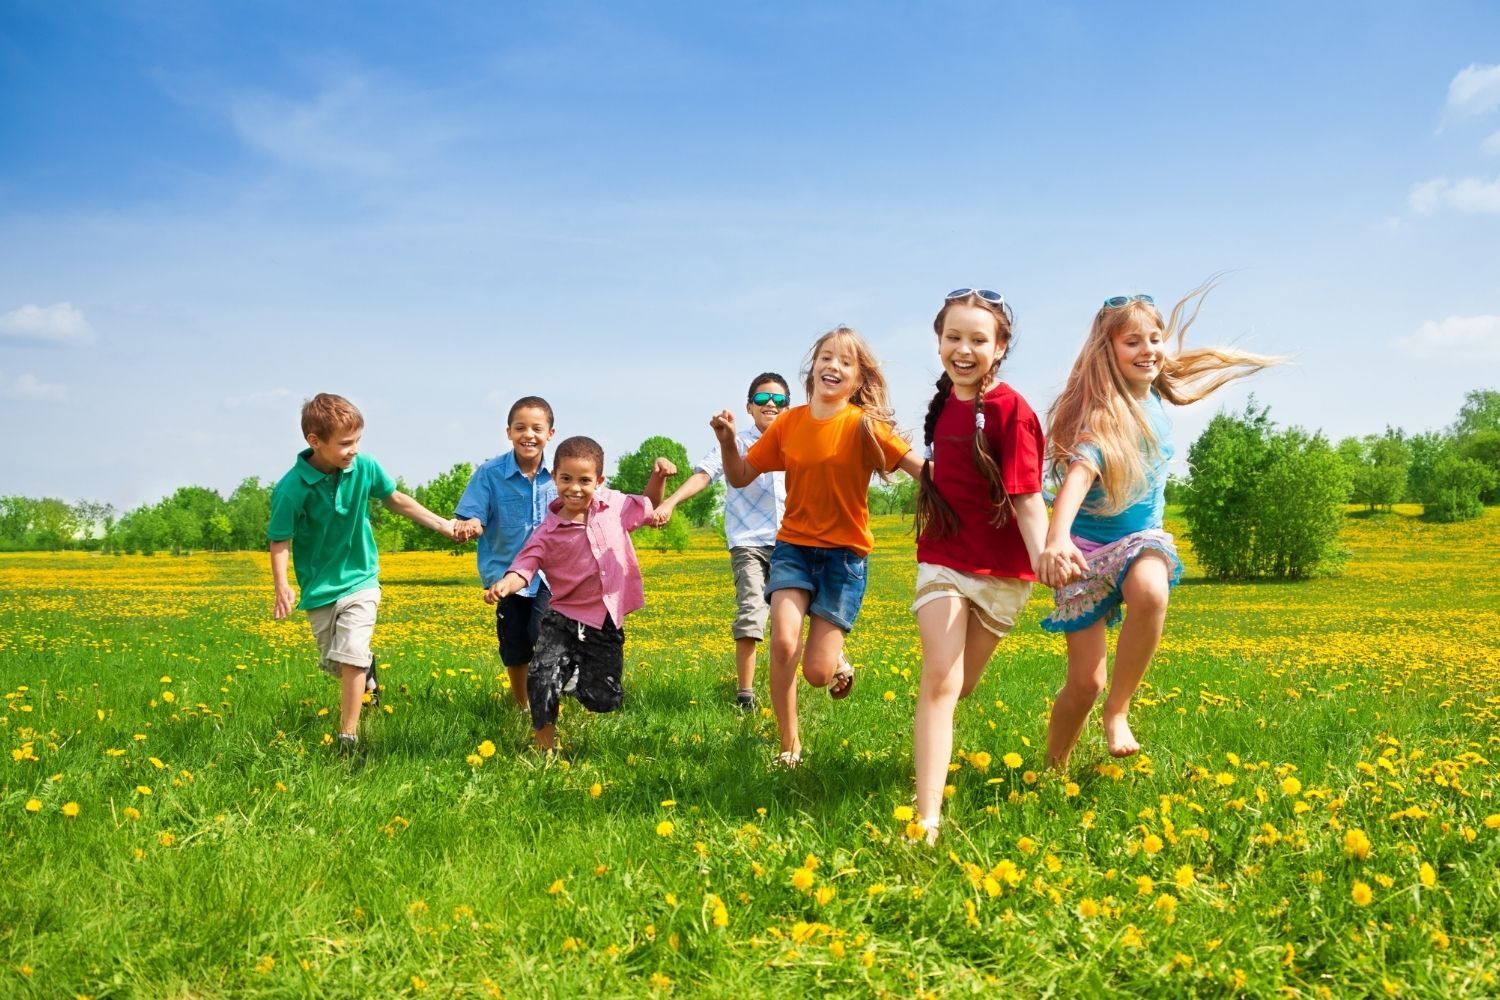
343 630
751 565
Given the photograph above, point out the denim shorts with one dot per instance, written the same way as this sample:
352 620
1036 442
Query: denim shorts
834 577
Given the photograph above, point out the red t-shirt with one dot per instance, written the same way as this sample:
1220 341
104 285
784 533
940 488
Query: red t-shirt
1016 444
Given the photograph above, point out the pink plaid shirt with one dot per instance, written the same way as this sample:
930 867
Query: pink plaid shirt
590 566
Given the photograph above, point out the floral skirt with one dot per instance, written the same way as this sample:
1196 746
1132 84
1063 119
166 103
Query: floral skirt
1097 594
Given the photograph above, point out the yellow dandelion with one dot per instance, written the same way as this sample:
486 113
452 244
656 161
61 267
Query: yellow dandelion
265 964
487 749
1428 875
70 810
1145 885
824 894
1088 908
1011 760
1439 939
1184 876
596 790
1026 845
1152 844
1356 844
1361 894
802 878
166 838
143 789
903 813
556 887
1492 821
1290 785
474 760
889 696
665 828
418 983
33 805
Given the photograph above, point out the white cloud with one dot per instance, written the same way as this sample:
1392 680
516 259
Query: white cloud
1474 338
1491 146
1471 194
28 387
261 398
55 324
1474 91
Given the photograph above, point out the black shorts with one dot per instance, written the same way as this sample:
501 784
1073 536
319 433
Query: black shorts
518 621
577 659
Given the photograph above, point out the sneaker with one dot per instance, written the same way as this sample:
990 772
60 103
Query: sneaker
570 686
745 701
372 683
347 744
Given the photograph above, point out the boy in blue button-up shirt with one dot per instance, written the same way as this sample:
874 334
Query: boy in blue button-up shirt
505 500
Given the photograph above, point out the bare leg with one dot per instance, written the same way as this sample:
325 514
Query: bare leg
955 649
788 609
546 737
744 662
1145 590
825 649
351 697
517 677
1088 651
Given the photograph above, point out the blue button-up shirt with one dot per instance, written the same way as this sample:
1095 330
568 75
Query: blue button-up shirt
509 506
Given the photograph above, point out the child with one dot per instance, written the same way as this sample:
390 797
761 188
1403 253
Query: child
828 448
1110 441
751 517
321 509
981 522
584 548
505 500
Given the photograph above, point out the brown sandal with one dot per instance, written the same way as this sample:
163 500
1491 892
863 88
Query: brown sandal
842 681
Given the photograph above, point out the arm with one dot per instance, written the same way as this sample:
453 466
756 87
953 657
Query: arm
663 470
911 463
400 503
1061 561
1031 520
463 531
286 598
737 472
504 587
691 487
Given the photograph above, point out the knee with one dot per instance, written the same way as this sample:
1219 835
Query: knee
784 648
967 688
1149 600
1082 689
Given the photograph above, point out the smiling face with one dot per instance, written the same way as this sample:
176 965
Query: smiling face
337 451
764 413
1138 353
576 480
835 370
969 348
529 431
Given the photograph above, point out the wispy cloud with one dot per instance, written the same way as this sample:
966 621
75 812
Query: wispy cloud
54 324
1491 146
29 387
1473 338
262 398
1474 91
1470 194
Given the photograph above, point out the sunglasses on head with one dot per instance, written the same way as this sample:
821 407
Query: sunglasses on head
1116 301
776 399
993 298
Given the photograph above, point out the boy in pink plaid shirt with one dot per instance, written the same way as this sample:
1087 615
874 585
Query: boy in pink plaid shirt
584 548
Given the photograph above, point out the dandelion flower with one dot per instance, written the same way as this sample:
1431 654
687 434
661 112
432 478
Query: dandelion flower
1428 875
70 810
1088 908
1151 844
1011 760
33 805
802 879
903 813
1356 844
596 790
1361 894
665 828
487 749
1290 785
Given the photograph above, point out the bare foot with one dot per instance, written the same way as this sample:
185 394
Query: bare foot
1117 734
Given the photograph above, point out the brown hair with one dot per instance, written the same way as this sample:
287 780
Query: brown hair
579 446
326 414
934 514
530 402
1096 406
872 396
765 378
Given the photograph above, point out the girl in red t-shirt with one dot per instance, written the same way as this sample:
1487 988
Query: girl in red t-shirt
981 524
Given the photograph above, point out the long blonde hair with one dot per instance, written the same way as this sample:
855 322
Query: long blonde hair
872 396
1096 407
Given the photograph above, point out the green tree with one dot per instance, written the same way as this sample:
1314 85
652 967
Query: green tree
1263 502
1453 493
1377 466
1483 446
1425 449
631 475
15 522
440 496
1479 412
249 510
218 532
54 525
899 496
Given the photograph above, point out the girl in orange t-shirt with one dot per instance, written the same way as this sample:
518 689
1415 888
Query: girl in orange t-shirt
828 448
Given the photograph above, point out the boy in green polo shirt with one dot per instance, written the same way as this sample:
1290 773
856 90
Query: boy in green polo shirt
321 509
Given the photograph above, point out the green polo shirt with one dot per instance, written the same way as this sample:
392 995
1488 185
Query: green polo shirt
327 517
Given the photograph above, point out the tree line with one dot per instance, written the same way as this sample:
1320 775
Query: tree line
1260 501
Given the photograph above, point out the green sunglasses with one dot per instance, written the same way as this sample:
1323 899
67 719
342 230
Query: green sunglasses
776 399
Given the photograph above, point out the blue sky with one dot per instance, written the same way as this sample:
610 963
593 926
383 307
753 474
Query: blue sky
212 211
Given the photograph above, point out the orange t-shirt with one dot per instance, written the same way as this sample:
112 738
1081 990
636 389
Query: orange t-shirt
827 475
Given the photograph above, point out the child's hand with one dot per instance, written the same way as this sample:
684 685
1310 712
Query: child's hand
449 530
503 588
662 514
286 599
1061 563
664 468
723 427
468 530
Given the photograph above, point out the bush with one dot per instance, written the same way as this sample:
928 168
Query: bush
1264 502
1455 489
631 476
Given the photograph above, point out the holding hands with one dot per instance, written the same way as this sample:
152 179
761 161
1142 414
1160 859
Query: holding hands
464 531
1060 563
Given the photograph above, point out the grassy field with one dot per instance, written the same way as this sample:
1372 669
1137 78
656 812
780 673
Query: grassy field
1317 812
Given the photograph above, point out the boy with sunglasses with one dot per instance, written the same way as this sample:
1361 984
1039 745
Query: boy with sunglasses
752 516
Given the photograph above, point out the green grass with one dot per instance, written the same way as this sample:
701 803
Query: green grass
407 870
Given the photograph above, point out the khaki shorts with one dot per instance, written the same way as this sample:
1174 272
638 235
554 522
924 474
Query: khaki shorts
751 565
997 601
343 630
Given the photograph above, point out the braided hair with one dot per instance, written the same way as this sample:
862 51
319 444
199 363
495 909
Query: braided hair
935 517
